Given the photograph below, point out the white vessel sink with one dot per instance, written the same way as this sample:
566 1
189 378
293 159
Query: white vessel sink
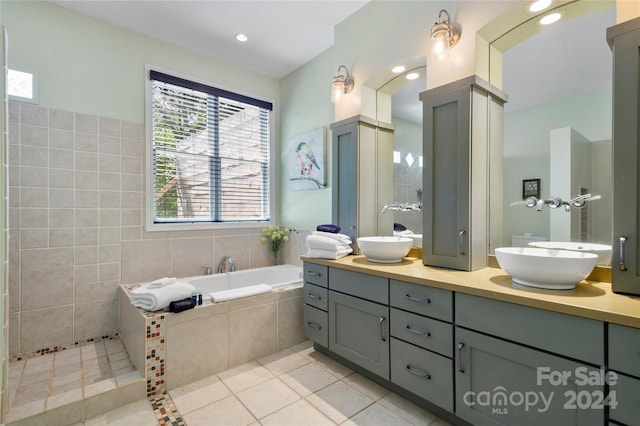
385 249
602 250
546 268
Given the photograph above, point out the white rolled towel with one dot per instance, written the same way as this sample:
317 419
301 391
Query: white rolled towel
328 254
162 282
344 239
324 243
157 298
237 293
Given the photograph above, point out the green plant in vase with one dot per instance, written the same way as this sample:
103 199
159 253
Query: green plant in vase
275 237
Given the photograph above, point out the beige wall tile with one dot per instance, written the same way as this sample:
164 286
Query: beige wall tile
39 259
32 135
86 255
14 333
110 235
87 180
188 256
129 233
133 200
34 238
109 127
96 319
109 217
14 291
61 198
131 165
62 237
109 272
34 114
109 144
46 288
14 155
41 328
145 260
85 274
235 246
61 178
109 253
132 131
61 218
110 181
62 139
34 218
290 329
131 217
34 156
87 198
113 399
109 163
97 291
60 119
87 161
86 142
87 236
34 197
132 182
14 111
86 123
252 333
87 217
110 199
34 176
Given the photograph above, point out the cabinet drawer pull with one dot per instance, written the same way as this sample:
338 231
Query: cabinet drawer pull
459 349
418 332
314 326
461 234
314 274
313 296
417 299
418 373
623 241
381 329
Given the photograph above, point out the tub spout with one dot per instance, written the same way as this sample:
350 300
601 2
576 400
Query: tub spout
222 266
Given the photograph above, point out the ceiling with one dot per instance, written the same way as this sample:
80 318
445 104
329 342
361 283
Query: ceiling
283 35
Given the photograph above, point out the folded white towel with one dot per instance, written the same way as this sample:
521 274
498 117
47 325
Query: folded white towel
162 282
157 298
402 233
328 254
324 243
237 293
345 239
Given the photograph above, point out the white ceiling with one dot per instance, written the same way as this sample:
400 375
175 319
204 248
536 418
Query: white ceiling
283 35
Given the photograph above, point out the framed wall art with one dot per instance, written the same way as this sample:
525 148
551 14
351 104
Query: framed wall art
530 188
305 158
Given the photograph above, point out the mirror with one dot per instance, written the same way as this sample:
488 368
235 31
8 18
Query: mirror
406 116
558 129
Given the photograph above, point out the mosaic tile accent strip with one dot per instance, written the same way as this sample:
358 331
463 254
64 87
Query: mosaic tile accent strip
44 351
155 352
166 411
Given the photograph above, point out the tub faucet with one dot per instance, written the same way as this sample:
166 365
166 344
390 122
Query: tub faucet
222 266
207 269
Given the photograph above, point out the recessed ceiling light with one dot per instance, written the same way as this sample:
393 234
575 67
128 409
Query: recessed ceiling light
242 37
412 76
539 5
550 18
398 69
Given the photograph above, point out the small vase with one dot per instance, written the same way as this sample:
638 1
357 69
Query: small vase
275 258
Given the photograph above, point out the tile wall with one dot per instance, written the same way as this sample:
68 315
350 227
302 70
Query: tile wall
76 206
408 180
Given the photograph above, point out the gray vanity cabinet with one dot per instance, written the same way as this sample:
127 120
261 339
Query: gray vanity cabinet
624 39
315 301
359 319
624 359
498 383
461 121
362 151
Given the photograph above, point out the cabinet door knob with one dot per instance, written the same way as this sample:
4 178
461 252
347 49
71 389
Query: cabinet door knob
419 374
382 319
459 349
460 235
623 241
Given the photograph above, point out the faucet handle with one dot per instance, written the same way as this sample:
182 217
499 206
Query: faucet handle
207 269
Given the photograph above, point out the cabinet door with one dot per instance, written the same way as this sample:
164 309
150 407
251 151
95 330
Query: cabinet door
626 156
345 178
501 383
446 138
315 325
359 332
627 410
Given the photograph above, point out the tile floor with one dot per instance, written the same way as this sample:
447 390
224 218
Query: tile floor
59 378
297 386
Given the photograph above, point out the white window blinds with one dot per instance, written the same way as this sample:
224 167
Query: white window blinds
210 153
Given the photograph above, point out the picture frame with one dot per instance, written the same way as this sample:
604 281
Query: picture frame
530 188
305 157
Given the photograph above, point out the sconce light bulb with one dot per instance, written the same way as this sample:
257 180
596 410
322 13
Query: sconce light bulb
337 89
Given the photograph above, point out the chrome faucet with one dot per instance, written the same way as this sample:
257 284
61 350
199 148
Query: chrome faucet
222 266
207 269
578 201
403 207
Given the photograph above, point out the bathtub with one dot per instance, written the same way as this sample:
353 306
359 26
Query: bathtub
275 276
166 345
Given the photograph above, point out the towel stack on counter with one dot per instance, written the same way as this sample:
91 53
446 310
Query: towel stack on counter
326 242
158 294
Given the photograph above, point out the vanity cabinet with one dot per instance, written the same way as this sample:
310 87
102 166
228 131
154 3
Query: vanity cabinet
359 319
315 301
624 359
462 122
504 351
624 40
362 149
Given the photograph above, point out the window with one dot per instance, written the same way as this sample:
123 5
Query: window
210 153
21 86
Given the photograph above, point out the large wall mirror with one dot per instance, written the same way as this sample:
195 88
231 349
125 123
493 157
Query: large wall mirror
557 132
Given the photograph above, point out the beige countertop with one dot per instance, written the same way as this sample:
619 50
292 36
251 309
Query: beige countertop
590 299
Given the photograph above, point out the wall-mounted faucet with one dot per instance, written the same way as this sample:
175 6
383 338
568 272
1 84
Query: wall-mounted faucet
222 266
403 207
578 201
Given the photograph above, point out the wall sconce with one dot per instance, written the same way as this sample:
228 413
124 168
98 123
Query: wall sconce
444 35
342 84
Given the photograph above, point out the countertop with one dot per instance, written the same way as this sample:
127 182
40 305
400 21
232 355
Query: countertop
590 299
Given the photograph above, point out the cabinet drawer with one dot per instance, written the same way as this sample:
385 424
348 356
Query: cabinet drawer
421 299
423 373
425 332
624 349
628 409
575 337
316 274
316 325
315 296
361 285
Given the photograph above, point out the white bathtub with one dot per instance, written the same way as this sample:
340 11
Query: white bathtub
275 276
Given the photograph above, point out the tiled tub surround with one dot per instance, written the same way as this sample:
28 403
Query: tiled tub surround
76 208
177 349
